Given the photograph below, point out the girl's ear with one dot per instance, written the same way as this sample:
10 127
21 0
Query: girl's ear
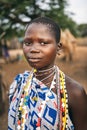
59 47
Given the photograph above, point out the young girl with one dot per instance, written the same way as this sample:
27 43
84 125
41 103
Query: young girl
45 98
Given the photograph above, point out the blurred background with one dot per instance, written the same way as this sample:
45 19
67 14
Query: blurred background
15 15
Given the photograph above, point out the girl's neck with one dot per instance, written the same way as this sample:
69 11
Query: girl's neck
45 75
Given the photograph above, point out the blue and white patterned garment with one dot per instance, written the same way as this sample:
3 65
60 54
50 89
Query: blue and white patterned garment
38 89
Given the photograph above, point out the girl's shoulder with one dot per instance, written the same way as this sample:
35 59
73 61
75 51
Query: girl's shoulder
19 79
17 83
20 76
77 101
73 86
75 90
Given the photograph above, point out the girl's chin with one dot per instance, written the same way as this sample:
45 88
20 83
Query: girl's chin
34 65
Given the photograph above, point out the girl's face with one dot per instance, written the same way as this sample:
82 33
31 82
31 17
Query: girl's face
39 46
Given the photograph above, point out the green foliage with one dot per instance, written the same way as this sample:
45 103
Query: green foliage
83 30
15 14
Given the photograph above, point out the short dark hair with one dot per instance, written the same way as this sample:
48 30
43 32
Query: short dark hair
53 26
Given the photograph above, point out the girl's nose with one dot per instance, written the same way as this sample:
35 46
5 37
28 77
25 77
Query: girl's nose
34 48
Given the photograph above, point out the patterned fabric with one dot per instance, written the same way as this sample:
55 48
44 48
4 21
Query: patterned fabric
37 94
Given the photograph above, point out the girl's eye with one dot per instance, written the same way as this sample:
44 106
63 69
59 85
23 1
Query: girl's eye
27 43
43 43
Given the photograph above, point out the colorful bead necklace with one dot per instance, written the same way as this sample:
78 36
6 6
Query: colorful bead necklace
62 102
22 111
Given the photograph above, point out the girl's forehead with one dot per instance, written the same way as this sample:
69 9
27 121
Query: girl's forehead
39 30
40 26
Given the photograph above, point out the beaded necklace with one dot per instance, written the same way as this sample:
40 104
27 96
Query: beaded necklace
62 102
22 111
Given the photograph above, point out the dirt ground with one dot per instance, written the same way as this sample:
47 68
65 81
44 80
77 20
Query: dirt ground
76 69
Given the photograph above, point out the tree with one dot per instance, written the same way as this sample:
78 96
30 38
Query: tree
15 14
83 30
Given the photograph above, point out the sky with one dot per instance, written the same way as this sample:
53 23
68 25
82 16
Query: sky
79 8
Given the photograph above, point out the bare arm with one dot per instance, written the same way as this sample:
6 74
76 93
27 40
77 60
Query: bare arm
77 105
79 111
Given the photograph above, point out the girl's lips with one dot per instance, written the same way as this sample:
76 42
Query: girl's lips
34 59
